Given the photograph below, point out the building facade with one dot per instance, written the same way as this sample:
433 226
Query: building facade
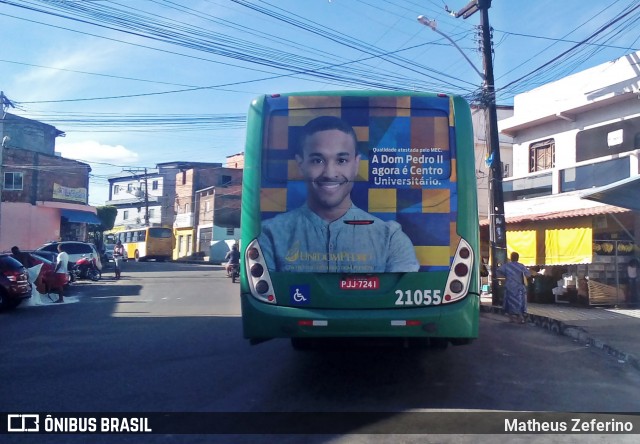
44 197
218 210
188 207
571 137
138 199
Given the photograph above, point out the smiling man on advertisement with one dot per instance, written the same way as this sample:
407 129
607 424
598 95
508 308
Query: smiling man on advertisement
329 233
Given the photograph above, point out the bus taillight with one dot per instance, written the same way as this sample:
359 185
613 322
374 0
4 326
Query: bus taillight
253 253
459 278
456 287
262 287
257 270
461 269
258 275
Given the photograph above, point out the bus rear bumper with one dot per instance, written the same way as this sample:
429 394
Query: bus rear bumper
262 321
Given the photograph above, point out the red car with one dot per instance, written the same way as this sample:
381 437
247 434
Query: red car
14 282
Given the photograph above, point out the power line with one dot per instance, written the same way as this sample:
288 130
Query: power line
550 62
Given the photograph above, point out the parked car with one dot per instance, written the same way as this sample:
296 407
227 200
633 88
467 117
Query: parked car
75 250
48 255
14 282
108 252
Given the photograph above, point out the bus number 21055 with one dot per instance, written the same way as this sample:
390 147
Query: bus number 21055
418 297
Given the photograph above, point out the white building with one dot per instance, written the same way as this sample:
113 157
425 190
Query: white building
137 196
580 132
571 137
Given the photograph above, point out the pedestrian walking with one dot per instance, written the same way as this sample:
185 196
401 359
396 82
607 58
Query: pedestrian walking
515 294
118 254
61 270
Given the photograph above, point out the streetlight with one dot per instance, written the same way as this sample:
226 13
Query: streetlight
433 25
497 222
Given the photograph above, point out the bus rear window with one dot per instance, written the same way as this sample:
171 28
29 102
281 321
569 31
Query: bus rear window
160 232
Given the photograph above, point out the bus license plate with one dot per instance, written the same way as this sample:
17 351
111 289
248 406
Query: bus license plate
368 283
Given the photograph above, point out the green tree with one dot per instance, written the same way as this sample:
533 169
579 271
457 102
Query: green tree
107 216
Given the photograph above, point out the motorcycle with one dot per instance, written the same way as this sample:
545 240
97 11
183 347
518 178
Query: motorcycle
234 272
85 268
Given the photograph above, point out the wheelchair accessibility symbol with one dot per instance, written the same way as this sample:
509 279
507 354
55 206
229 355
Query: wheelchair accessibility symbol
299 297
299 294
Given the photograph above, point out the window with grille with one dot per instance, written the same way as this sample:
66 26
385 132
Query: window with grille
542 155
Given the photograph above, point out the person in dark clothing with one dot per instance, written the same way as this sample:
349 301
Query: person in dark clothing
118 254
232 258
20 256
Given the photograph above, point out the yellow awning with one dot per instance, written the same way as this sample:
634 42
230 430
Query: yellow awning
568 246
524 243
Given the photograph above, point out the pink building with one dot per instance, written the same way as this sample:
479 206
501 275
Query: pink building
43 197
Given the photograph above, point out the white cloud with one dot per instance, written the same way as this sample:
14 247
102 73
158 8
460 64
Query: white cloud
92 151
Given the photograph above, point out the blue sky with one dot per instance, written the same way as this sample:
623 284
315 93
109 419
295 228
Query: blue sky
78 65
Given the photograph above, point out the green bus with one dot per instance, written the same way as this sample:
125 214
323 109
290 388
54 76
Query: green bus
359 218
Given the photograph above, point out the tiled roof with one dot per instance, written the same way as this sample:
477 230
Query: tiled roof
591 211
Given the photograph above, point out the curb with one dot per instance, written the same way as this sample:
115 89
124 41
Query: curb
576 333
193 261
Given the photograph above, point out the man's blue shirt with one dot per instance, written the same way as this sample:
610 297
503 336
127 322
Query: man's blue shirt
301 241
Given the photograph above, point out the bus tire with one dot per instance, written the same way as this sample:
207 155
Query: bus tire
419 343
301 344
439 343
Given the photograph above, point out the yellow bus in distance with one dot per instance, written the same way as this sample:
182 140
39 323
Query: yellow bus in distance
147 243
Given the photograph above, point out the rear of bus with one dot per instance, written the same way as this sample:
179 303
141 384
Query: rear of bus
148 243
416 170
159 243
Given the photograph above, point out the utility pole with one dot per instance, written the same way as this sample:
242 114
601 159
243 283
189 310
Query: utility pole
146 199
5 139
146 192
497 223
5 103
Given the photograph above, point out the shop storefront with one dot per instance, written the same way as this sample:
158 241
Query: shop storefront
76 225
581 255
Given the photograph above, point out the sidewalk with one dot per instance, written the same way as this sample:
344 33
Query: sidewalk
613 330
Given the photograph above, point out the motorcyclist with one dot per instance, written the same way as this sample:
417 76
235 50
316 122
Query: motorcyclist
232 258
118 253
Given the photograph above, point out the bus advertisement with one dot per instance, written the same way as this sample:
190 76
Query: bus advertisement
359 218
